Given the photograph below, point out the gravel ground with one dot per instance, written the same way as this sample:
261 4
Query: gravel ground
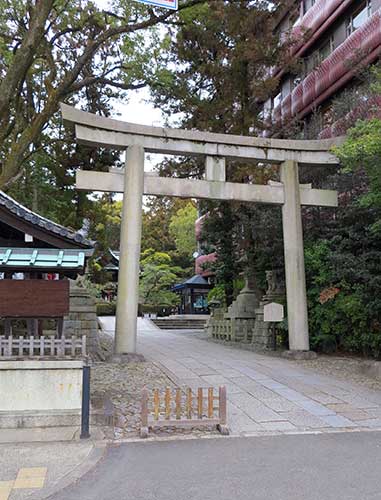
343 368
123 384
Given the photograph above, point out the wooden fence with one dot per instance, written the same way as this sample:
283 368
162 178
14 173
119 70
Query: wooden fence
30 347
184 408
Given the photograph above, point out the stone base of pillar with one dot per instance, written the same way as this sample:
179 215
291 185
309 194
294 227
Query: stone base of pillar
132 357
299 355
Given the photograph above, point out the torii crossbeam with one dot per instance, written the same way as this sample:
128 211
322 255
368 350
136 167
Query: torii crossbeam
98 131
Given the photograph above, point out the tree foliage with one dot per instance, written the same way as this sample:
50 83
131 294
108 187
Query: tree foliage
158 275
362 151
182 230
53 50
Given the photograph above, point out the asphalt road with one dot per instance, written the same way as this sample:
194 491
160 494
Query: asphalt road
338 466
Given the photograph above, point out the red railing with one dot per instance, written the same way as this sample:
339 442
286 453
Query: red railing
322 81
313 19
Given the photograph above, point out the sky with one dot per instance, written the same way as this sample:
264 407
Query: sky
138 110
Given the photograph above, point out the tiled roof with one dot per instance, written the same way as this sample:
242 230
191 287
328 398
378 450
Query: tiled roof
46 224
42 258
196 280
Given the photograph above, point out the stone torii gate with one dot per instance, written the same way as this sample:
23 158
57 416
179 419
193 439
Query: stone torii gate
97 131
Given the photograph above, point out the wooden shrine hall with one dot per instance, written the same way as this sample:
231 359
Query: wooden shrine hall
37 256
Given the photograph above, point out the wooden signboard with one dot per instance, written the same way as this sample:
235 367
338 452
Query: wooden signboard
34 298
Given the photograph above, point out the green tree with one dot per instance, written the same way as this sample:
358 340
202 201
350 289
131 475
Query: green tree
362 152
158 275
53 50
182 230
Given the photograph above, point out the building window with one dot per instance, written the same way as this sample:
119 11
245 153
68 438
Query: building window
307 4
325 50
359 17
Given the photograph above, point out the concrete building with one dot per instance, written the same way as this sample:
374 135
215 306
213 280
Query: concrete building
330 40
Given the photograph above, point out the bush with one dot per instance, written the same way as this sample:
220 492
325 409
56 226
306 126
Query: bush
106 308
344 289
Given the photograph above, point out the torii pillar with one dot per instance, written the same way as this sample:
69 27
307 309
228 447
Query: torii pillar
129 258
297 314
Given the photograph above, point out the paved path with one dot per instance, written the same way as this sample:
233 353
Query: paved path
265 394
304 467
36 470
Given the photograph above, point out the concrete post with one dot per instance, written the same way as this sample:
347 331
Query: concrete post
130 236
294 259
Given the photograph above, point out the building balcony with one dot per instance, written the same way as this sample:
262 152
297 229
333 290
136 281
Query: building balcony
316 20
333 73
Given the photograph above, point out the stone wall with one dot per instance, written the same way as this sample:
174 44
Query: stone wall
82 319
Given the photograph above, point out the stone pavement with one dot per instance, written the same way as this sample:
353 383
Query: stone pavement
265 394
35 471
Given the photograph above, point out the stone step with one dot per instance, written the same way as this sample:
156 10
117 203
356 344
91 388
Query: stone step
178 324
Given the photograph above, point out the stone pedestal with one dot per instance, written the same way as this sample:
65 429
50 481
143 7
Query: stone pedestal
82 318
263 334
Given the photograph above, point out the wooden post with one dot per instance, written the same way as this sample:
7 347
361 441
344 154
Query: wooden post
189 403
167 403
144 415
42 346
178 403
210 402
222 412
200 396
156 404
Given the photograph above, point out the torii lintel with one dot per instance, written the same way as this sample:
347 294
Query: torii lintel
94 130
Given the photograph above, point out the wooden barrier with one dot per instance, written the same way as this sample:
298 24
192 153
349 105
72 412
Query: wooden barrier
30 347
183 408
